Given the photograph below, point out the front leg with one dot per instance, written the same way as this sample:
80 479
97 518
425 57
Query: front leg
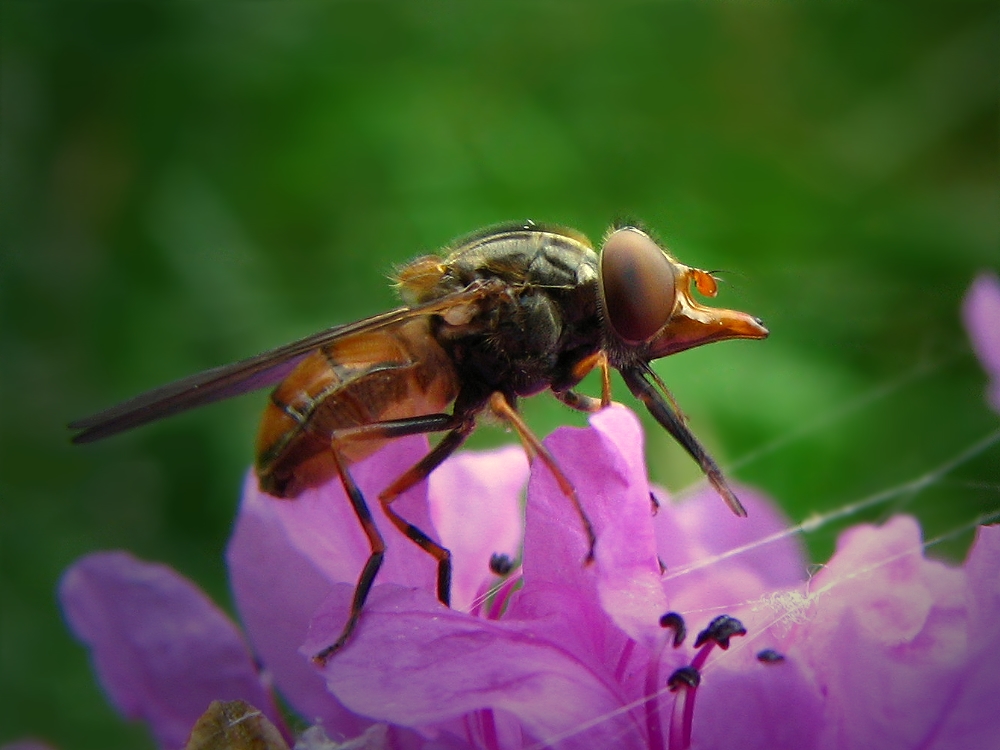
503 409
579 401
583 403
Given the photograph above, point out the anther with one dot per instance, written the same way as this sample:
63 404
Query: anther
686 677
770 656
501 564
720 630
675 622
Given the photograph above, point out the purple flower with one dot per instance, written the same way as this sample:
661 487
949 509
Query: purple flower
981 311
161 649
881 648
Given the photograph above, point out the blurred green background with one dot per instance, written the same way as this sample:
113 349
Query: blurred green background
184 184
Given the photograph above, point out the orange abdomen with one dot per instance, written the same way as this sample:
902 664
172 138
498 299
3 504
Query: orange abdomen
392 373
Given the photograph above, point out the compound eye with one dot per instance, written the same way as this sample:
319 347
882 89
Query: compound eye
637 283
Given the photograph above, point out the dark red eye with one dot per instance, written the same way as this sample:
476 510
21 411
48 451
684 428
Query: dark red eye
637 282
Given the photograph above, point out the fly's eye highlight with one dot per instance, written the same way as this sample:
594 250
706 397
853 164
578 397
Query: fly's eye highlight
638 285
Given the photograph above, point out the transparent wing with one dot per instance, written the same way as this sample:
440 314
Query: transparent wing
250 374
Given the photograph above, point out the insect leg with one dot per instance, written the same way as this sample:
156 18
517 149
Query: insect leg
386 430
394 428
605 379
580 371
666 414
417 473
502 408
374 562
579 401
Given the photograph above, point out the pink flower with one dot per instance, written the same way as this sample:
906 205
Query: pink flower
981 311
881 648
161 649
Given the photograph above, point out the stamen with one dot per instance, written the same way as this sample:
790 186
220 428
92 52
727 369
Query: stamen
669 621
685 681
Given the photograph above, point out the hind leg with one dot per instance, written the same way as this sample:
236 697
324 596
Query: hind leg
459 430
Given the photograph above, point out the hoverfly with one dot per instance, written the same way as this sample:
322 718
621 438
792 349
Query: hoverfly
506 312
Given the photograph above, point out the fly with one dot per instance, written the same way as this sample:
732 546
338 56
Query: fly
504 313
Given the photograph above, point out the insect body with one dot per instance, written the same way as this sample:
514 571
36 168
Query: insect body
507 312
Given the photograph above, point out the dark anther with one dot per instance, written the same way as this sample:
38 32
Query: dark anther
501 564
720 630
684 677
770 656
675 622
654 502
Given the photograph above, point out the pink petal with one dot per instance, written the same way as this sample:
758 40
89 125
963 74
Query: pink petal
895 645
971 720
286 555
277 589
476 508
759 707
716 563
700 528
550 661
981 567
322 526
605 465
880 575
416 663
161 649
981 311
